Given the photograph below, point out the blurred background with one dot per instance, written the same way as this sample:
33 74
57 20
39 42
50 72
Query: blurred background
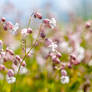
20 10
42 78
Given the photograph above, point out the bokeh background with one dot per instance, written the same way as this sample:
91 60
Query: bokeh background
73 13
62 9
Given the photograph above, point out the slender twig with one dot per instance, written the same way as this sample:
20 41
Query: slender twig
29 22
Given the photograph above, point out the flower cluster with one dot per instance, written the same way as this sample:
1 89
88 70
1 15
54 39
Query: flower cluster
54 48
18 64
15 60
9 26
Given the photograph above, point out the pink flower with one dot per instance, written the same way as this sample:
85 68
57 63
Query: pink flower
37 15
10 73
3 19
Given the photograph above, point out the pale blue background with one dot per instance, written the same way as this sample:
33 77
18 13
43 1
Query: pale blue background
60 8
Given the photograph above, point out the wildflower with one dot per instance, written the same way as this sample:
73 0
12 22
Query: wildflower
50 22
29 30
15 62
3 19
10 73
9 25
58 54
53 46
42 34
5 27
64 79
46 21
9 51
48 42
15 28
37 15
74 60
18 58
23 63
88 24
69 65
63 65
63 72
2 67
24 32
55 59
11 79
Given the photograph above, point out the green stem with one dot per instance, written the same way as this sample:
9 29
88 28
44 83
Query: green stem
29 22
26 55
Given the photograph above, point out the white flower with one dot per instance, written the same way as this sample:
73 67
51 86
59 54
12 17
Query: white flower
10 79
64 79
15 28
52 23
24 32
53 46
80 53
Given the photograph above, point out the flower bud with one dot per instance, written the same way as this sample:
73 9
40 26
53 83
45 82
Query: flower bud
10 51
2 67
55 60
58 54
18 58
37 15
24 32
15 62
23 63
42 34
3 19
10 73
5 27
46 21
87 25
63 72
69 65
29 30
9 25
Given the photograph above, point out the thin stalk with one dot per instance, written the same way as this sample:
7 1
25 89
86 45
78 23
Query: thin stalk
27 54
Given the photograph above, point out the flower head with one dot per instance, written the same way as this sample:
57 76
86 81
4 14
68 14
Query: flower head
10 79
64 79
53 46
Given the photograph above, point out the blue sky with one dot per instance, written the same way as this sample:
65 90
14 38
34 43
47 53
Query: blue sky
59 7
